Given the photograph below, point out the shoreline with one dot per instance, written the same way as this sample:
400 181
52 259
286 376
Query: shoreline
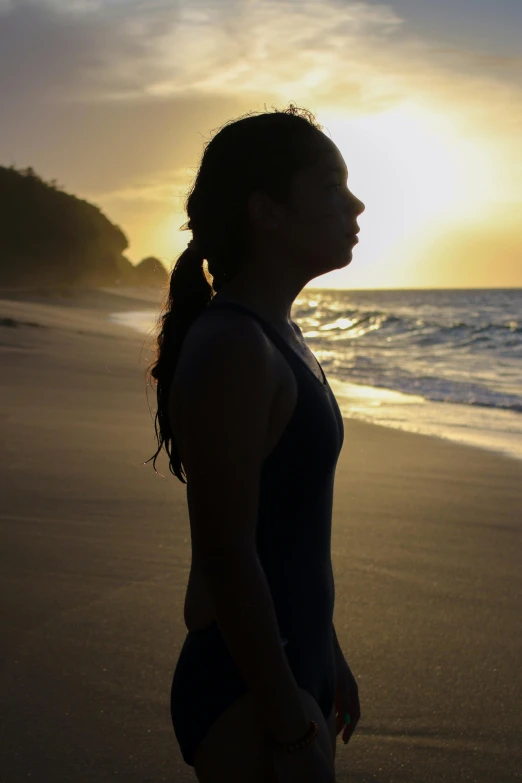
495 430
107 311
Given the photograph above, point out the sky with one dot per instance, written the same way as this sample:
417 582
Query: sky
115 99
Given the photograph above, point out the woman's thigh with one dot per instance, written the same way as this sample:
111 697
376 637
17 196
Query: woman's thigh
234 749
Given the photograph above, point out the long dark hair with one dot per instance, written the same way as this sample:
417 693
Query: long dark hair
257 151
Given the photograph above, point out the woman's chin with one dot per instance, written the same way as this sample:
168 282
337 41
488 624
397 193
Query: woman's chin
347 257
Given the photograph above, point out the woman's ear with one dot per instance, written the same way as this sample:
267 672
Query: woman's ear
262 211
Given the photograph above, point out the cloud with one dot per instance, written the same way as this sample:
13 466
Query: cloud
100 94
53 51
158 189
106 95
358 56
91 51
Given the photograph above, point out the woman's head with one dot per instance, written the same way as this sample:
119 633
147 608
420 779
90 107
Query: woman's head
309 233
265 204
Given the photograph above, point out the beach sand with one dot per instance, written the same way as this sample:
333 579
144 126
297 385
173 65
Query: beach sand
426 547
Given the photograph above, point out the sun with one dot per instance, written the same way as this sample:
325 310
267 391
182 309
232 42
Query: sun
413 169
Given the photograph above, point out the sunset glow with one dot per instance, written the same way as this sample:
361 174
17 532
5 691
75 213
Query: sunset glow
426 112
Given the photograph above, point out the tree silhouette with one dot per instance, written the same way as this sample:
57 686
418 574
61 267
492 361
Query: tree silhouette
48 236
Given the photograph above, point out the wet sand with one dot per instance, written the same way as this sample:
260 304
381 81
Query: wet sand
426 547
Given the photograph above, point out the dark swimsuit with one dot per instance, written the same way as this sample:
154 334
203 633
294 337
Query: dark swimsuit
293 546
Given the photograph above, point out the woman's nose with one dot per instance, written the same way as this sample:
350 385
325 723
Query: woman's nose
355 205
359 206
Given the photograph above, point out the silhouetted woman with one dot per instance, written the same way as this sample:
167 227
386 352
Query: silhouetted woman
245 408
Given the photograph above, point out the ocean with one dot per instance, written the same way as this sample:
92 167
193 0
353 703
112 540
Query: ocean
439 362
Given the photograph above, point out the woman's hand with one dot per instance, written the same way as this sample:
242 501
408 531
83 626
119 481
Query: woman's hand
346 698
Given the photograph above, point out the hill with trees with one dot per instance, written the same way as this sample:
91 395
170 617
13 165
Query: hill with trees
50 237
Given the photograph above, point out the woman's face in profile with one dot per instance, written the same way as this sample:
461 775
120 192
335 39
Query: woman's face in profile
320 227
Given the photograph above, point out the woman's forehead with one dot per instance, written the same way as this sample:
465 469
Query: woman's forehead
327 158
